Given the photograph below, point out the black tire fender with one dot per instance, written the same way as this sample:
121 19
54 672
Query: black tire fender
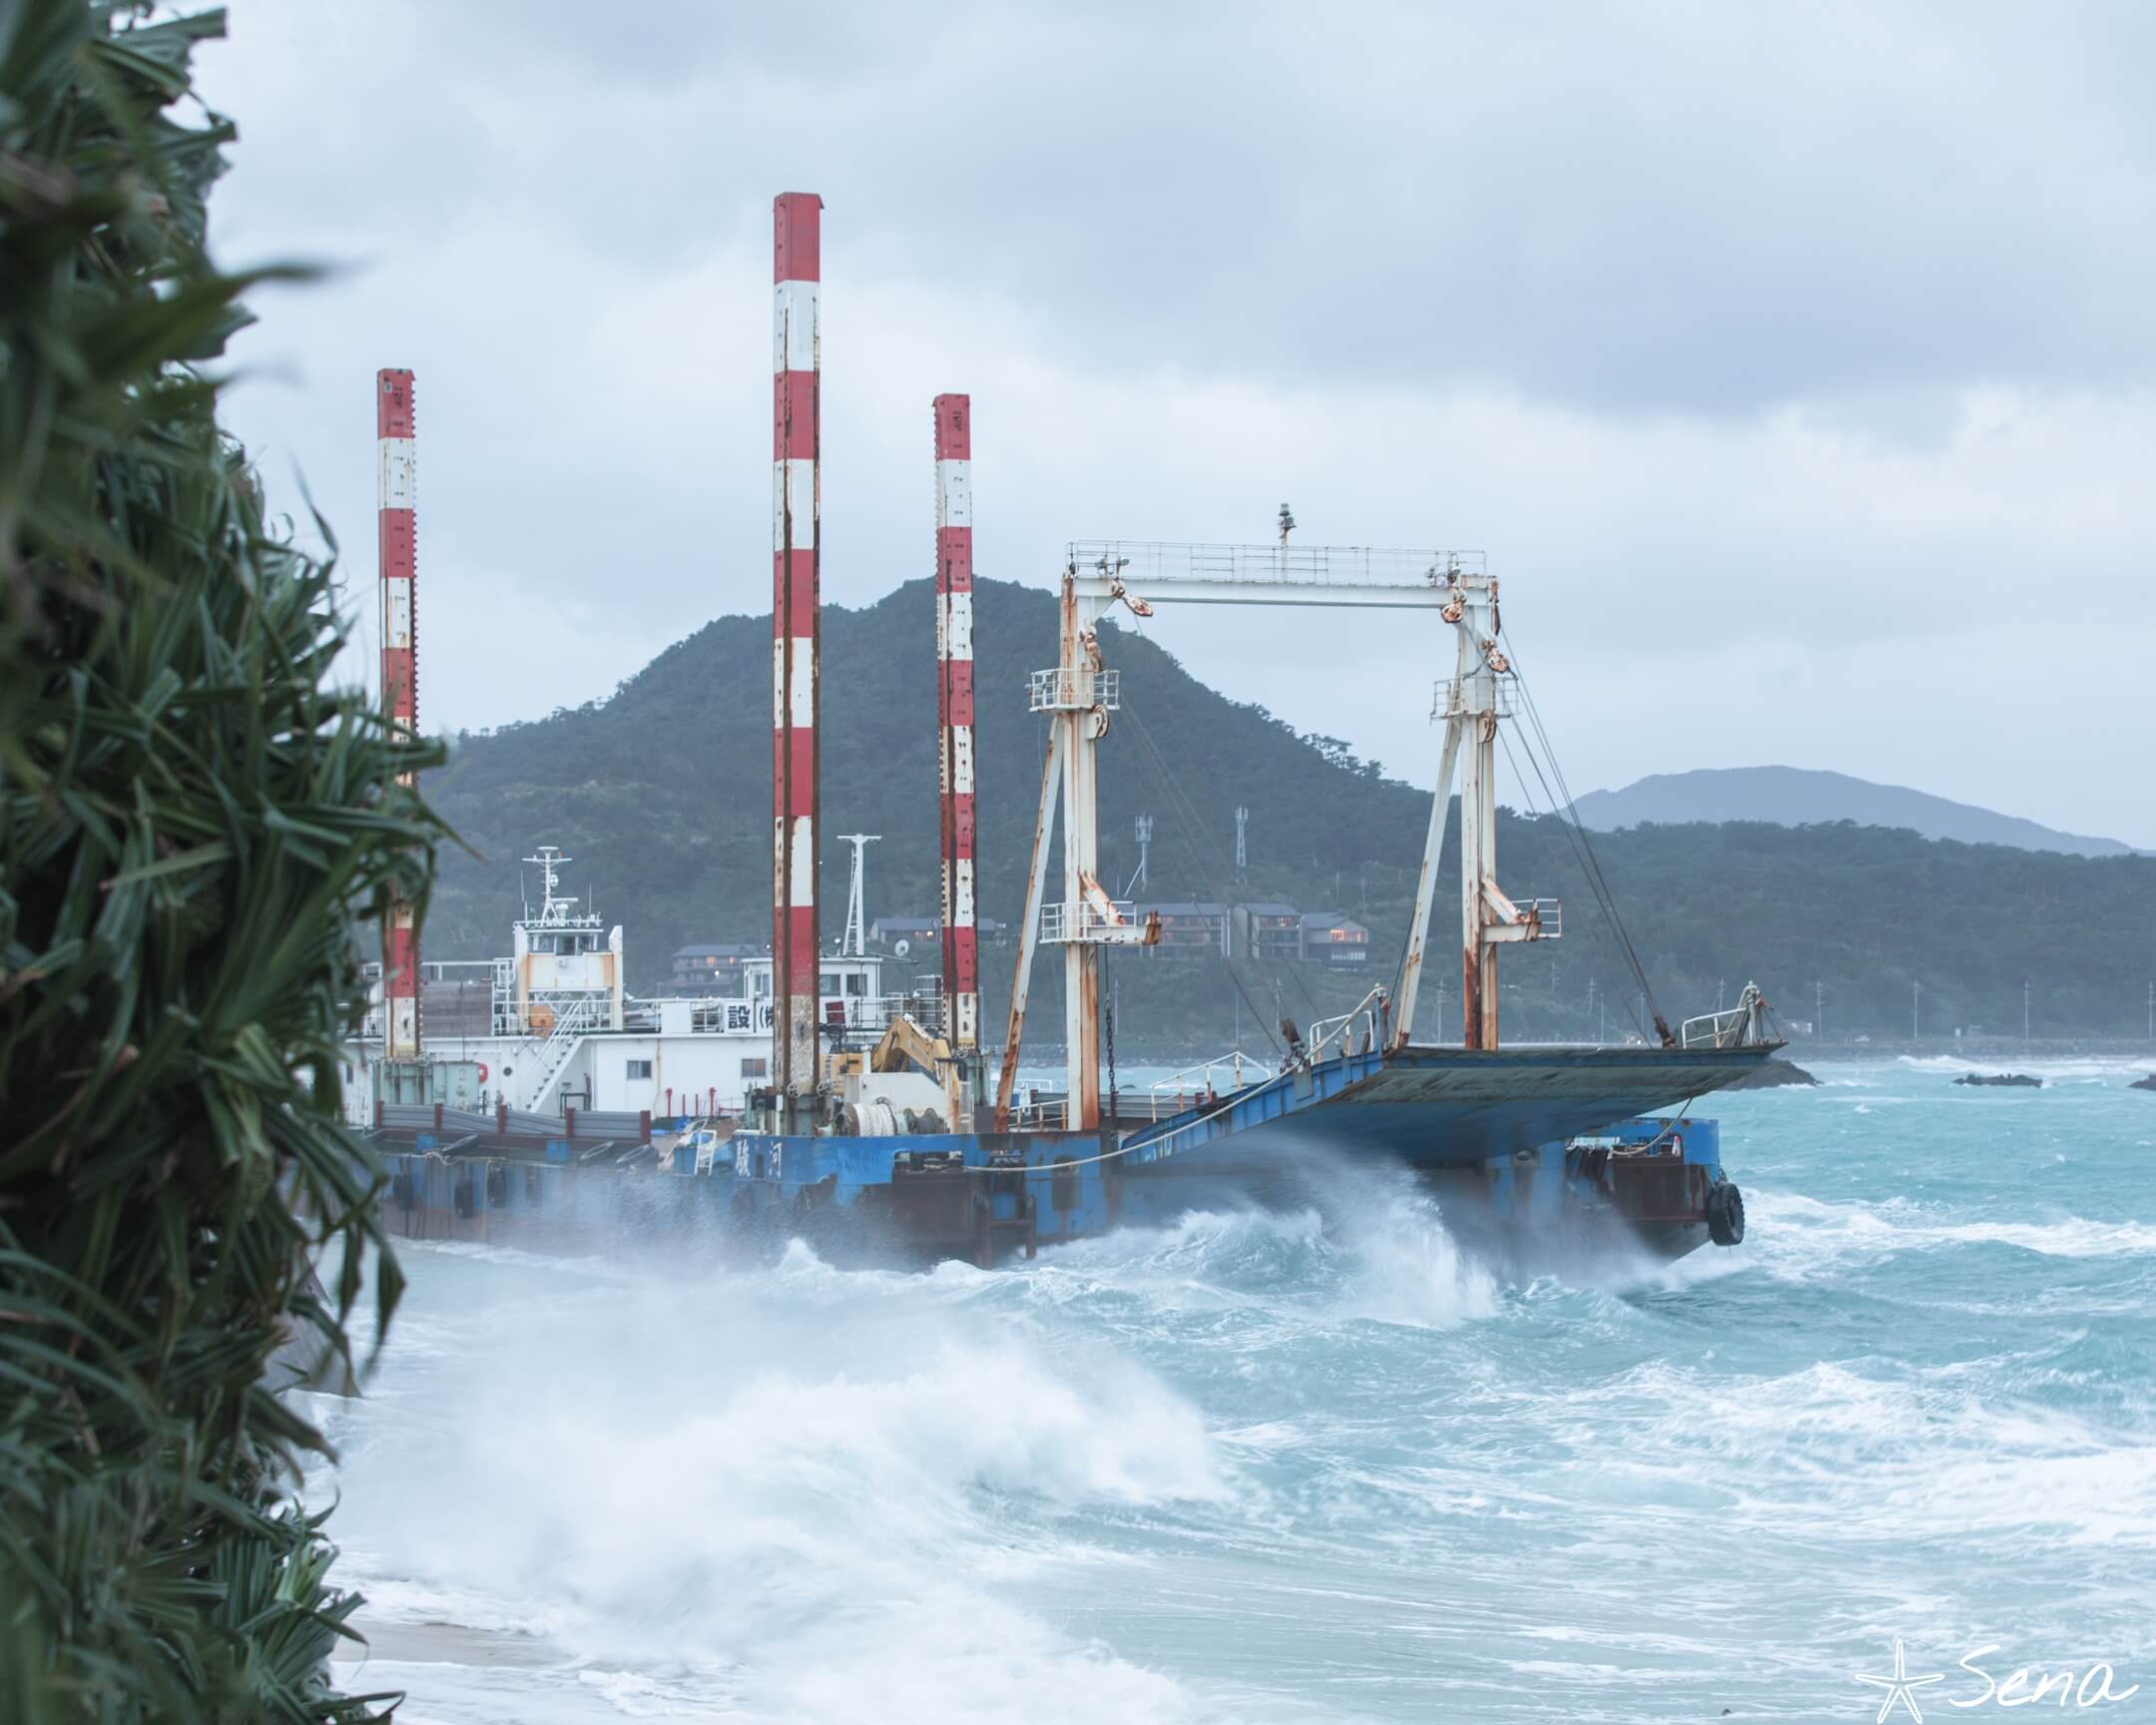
1724 1214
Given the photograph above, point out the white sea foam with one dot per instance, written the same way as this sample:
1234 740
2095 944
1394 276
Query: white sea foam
1411 1270
1915 1454
2052 1069
1795 1232
706 1474
1377 1250
1286 1467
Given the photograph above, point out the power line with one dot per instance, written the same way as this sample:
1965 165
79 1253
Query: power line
1582 847
1608 909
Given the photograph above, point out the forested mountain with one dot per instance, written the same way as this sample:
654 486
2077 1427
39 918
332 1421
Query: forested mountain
662 795
1800 797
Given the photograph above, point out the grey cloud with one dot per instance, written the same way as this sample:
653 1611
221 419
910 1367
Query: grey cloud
1698 217
1704 209
1547 284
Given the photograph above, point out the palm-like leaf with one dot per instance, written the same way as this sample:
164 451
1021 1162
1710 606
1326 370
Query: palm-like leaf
193 819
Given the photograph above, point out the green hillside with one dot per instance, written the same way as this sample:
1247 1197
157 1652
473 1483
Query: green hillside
662 795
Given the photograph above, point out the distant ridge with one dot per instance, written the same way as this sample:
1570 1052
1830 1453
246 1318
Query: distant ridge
1797 796
662 795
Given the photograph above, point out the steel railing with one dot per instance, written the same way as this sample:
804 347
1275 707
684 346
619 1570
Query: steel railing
1549 912
1368 1014
1450 698
1085 919
572 1023
1140 561
1734 1029
877 1012
1172 1090
1059 689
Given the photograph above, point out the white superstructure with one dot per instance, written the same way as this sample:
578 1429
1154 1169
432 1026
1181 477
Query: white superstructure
552 1026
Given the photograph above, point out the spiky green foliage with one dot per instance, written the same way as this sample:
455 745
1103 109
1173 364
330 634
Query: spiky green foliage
194 818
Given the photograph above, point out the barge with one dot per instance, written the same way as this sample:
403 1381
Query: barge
902 1149
875 1125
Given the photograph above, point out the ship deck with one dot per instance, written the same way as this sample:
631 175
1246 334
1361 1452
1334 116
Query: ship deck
1434 1107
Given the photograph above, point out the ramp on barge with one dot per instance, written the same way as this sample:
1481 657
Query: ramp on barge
1440 1107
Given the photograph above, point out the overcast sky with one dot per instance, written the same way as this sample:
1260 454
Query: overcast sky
1793 364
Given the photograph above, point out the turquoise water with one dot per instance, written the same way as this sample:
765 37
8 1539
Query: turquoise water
1278 1467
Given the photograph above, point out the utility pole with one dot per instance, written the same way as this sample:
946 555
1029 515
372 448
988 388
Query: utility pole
1242 847
1916 1003
2025 1012
1818 1009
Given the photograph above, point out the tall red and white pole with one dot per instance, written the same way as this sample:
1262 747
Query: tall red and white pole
954 712
397 496
796 363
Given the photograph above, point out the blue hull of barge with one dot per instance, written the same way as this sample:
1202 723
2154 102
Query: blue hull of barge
1528 1146
1497 1132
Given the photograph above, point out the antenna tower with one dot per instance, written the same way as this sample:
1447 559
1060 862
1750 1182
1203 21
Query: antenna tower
854 944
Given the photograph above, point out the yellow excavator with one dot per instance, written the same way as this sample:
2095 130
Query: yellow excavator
903 1049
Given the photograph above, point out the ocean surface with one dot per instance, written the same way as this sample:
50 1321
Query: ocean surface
1299 1466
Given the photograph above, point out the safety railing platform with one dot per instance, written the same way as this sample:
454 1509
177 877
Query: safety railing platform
1087 920
1060 689
1139 562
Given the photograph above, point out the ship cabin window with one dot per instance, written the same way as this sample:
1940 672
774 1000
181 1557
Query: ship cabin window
639 1068
756 1067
